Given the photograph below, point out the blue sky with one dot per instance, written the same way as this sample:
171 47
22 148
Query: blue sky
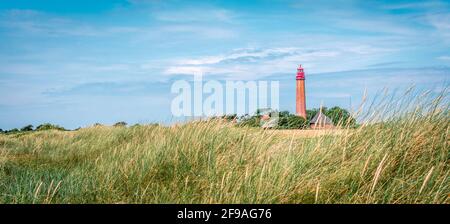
75 63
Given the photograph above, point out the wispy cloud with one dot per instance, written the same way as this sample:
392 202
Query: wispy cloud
111 89
243 55
30 22
199 31
203 15
261 62
440 21
415 5
444 58
40 23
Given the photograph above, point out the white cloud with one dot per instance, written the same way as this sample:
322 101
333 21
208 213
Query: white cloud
415 5
29 22
376 25
40 23
199 30
254 63
441 22
445 58
186 70
240 54
367 49
195 15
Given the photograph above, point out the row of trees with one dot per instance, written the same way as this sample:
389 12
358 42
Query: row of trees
286 120
48 126
42 127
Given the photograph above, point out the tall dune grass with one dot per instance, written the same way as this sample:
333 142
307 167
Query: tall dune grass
399 158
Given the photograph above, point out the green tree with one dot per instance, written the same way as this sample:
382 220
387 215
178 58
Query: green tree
231 117
14 130
136 125
120 124
48 126
290 121
249 121
284 113
227 117
340 116
27 128
296 122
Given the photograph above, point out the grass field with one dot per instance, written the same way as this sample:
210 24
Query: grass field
403 159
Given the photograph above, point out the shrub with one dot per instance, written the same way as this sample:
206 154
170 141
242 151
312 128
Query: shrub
120 124
48 126
13 130
230 117
340 116
249 121
290 121
295 122
135 125
27 128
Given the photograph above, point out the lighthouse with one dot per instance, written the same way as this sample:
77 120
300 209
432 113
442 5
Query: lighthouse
300 93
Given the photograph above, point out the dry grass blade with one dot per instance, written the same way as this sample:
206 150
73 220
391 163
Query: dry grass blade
378 173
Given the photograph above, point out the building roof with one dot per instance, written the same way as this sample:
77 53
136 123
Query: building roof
321 118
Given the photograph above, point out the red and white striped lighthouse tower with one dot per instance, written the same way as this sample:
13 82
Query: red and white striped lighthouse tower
300 95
